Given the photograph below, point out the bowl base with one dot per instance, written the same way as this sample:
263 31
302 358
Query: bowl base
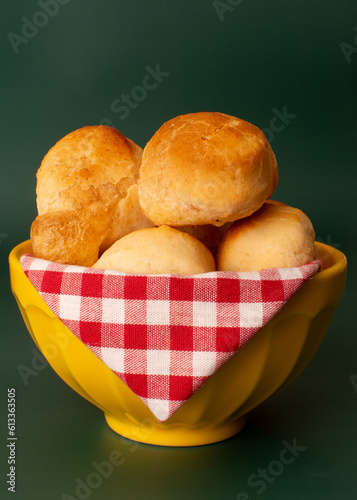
165 434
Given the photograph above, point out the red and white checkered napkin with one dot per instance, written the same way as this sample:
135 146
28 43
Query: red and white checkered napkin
163 335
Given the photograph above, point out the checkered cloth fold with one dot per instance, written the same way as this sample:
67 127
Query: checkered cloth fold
163 335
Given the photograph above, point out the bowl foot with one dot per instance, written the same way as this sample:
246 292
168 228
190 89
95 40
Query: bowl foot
150 431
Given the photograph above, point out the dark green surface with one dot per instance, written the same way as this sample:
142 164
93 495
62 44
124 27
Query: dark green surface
263 56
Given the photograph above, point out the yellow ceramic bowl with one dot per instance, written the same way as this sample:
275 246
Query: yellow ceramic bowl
218 410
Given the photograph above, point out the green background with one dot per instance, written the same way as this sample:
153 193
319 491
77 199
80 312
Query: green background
250 60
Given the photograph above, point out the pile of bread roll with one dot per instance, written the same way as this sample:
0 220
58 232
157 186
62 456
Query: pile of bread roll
194 200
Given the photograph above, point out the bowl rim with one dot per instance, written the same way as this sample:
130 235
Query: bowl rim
338 260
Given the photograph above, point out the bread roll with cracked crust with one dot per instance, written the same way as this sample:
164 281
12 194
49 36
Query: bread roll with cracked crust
275 236
94 166
158 250
83 162
205 168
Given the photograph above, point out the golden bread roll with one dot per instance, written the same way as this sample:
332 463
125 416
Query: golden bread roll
158 250
66 238
81 163
275 236
93 166
205 168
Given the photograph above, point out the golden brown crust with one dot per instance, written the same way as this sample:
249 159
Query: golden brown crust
76 168
205 168
275 236
127 216
69 238
94 166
